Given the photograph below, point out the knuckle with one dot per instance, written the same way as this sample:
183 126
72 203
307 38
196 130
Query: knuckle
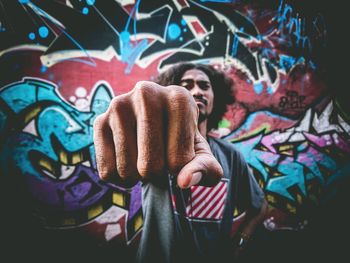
179 93
148 168
142 87
100 121
118 105
144 90
104 169
126 171
180 98
104 175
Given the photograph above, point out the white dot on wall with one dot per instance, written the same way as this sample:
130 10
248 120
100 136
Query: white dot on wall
207 43
80 92
82 105
72 98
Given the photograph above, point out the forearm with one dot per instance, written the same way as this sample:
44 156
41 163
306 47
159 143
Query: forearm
157 240
248 228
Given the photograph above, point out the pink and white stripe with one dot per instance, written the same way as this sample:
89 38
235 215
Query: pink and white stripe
207 202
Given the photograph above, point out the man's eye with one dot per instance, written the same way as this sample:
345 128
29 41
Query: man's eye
205 87
185 85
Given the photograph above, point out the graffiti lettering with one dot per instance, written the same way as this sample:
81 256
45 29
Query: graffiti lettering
185 31
293 25
292 101
309 155
58 156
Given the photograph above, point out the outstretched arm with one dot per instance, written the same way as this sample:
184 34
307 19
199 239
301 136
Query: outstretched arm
145 135
152 130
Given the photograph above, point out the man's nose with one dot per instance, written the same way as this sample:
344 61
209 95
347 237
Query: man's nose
196 90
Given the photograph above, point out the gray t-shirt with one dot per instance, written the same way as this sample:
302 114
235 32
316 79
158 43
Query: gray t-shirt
196 223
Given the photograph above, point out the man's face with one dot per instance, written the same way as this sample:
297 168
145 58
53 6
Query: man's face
198 83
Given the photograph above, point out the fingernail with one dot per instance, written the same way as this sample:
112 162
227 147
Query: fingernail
196 177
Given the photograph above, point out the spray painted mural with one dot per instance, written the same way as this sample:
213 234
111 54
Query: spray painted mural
62 62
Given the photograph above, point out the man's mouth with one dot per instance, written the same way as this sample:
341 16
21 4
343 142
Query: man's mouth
203 102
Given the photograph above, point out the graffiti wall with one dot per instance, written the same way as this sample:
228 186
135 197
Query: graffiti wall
63 61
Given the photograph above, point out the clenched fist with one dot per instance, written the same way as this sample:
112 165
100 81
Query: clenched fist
152 131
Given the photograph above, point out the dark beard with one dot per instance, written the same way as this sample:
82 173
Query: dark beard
202 117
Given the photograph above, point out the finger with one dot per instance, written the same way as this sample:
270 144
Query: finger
149 112
105 154
123 125
204 169
182 124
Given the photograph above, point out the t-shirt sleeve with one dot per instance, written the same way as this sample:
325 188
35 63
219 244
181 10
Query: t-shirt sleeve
250 194
256 193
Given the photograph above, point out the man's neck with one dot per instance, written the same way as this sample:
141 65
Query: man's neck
202 127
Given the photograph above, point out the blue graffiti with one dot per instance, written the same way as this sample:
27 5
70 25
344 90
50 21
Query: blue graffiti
247 125
31 36
255 157
269 90
43 31
174 31
291 170
129 51
283 11
90 61
292 25
85 10
258 88
291 174
315 160
49 144
287 165
268 52
234 46
43 69
51 153
90 2
286 62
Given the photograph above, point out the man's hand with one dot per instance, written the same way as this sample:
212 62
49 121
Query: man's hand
150 131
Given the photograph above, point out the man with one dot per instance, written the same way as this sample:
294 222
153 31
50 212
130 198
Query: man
154 131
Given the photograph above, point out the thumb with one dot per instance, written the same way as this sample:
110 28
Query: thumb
203 169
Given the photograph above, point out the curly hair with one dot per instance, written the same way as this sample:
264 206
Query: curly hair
223 87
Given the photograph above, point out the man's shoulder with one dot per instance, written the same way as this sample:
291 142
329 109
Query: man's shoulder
217 144
230 158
